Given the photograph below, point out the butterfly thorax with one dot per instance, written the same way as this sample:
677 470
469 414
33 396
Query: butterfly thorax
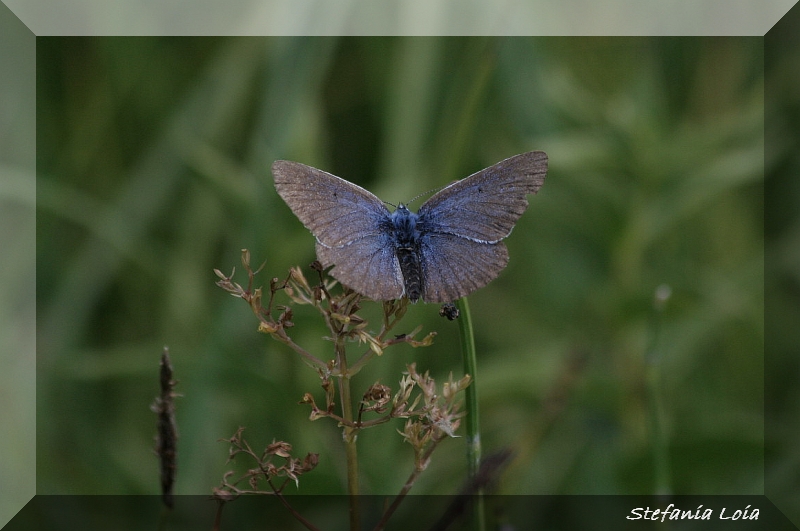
406 236
404 227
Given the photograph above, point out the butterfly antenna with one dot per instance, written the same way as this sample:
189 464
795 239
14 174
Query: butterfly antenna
432 190
415 198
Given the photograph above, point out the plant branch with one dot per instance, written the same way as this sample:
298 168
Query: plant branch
407 487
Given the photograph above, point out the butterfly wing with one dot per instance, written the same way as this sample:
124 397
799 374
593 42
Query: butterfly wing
367 265
349 225
465 222
337 212
485 206
455 267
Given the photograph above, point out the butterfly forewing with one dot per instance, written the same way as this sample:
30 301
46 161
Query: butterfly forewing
349 224
485 206
337 212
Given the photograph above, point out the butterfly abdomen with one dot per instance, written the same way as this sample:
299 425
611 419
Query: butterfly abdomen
407 248
411 267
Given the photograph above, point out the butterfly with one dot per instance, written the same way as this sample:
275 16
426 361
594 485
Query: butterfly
446 250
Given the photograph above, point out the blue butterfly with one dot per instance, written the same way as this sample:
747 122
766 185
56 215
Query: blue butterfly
448 249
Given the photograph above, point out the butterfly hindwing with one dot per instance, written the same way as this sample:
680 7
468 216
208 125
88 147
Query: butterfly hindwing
368 265
455 267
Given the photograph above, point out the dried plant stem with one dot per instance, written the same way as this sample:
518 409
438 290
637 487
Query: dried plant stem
406 488
431 415
350 432
388 324
308 525
309 358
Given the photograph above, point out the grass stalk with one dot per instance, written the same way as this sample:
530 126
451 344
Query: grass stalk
472 418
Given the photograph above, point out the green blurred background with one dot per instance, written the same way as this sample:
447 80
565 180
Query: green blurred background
153 169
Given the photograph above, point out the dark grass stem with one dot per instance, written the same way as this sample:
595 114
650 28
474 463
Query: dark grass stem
654 381
470 368
472 418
